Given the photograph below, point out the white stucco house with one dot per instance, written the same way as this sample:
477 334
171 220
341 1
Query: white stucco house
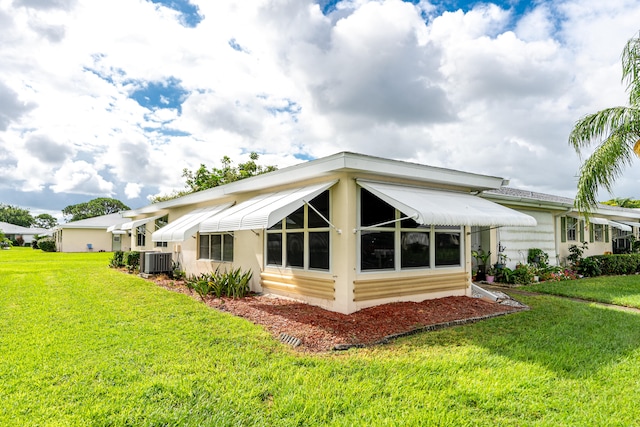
92 235
558 226
28 234
343 232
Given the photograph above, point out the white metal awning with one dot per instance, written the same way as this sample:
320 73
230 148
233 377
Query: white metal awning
186 225
439 207
138 222
630 223
620 226
263 211
592 219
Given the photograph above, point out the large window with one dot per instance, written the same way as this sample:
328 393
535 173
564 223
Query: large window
391 241
301 240
216 247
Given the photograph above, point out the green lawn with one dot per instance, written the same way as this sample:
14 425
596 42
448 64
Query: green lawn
619 290
84 345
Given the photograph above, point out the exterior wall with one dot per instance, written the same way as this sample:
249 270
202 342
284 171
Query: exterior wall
593 247
343 288
518 240
77 239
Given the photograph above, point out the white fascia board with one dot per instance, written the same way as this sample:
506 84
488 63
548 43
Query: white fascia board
527 202
344 161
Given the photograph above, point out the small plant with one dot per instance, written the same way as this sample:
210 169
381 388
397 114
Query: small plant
177 272
219 284
538 257
575 254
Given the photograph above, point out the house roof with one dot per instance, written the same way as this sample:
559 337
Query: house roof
98 222
344 161
8 228
527 198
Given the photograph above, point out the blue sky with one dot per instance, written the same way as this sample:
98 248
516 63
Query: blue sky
96 102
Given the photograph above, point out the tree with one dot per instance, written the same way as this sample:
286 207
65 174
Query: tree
93 208
616 130
45 221
15 215
203 178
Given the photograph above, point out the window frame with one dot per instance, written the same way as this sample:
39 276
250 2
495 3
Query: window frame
598 232
282 229
571 229
141 235
396 227
224 237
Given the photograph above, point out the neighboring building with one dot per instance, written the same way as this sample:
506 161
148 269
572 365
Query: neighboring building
342 232
12 232
90 235
559 226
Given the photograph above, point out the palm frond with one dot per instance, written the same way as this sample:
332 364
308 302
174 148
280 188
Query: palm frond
631 69
601 125
601 170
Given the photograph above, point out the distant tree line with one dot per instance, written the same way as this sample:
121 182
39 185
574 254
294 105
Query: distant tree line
22 217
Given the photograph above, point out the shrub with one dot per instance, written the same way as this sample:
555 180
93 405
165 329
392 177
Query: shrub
523 274
117 261
618 264
132 260
47 244
232 283
589 267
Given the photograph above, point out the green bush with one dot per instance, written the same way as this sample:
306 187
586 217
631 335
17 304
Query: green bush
589 267
117 261
618 264
47 244
232 283
132 260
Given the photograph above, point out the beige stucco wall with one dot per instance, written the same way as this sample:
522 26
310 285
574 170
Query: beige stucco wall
76 240
594 248
343 288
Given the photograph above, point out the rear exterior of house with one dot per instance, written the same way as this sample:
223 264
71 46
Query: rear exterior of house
90 235
344 232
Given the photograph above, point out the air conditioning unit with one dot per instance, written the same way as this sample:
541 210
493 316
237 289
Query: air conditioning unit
155 262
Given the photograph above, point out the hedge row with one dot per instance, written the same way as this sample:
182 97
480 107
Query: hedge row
618 264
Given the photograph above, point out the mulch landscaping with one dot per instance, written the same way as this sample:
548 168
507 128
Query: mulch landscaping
313 329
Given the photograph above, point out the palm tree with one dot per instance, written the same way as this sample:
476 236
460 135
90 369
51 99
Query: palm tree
616 130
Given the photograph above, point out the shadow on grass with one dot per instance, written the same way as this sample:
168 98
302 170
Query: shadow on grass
573 339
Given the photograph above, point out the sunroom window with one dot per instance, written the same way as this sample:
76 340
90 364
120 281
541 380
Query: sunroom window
301 240
389 240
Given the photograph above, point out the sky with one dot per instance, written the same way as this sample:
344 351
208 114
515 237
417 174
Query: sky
115 98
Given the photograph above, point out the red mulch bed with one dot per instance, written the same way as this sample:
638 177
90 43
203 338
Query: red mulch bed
320 330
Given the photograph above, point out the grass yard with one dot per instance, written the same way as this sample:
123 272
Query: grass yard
84 345
619 290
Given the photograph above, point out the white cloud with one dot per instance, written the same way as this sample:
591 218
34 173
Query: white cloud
81 178
484 91
132 190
